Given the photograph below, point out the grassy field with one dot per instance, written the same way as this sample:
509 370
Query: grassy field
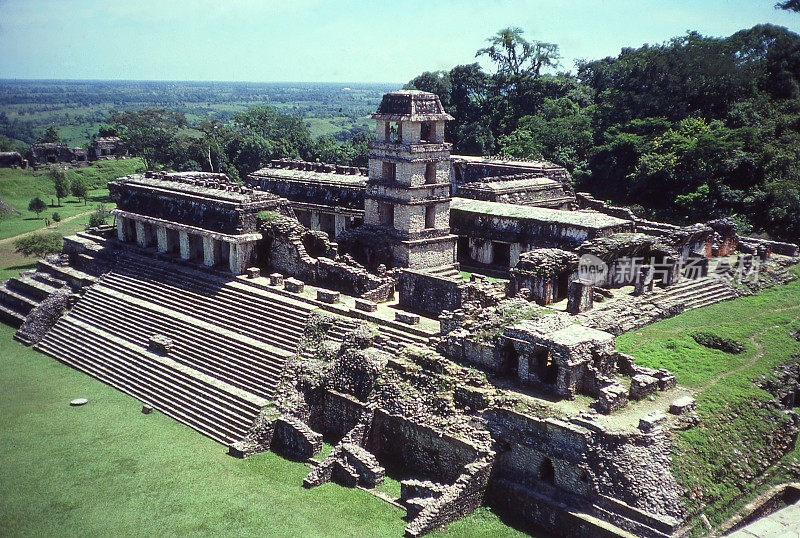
723 459
107 469
19 187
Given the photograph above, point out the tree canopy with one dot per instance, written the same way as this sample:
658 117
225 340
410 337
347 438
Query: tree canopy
692 129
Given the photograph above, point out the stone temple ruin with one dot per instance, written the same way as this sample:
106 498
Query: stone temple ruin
445 320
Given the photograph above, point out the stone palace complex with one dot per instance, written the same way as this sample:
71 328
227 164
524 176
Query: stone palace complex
448 320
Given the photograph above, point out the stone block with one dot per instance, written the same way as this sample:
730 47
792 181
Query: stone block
612 398
666 379
158 343
366 306
651 421
682 405
405 317
276 279
580 297
474 398
328 296
293 285
253 272
642 386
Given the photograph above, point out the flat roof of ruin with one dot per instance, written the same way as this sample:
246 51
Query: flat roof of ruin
497 183
500 161
190 183
310 176
582 219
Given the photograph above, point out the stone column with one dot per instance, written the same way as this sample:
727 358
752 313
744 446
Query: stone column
522 367
122 232
163 240
339 224
211 251
579 297
516 250
142 235
183 240
314 224
239 257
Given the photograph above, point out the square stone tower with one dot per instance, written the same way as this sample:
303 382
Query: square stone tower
408 191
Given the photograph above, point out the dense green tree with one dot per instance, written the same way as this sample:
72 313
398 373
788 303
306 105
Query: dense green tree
148 132
50 135
79 189
37 205
789 5
515 56
60 183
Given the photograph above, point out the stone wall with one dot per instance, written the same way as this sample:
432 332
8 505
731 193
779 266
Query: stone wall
425 292
458 500
285 251
341 412
414 449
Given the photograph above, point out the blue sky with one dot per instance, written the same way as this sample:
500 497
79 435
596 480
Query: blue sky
336 41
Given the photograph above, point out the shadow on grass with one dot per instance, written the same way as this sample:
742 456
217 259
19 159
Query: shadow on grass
20 267
32 218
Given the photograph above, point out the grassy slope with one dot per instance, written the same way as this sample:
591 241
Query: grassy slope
720 460
106 468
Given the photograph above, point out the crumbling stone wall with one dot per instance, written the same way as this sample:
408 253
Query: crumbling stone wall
545 273
458 500
286 250
418 450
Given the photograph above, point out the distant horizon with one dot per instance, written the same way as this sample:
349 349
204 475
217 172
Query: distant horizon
354 83
347 42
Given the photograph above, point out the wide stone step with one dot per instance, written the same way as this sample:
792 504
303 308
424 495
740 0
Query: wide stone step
16 300
239 377
200 345
248 323
183 377
243 305
38 291
72 276
11 316
180 392
176 406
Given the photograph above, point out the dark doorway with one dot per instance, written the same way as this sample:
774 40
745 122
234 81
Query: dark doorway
501 254
426 132
546 370
462 249
547 472
509 360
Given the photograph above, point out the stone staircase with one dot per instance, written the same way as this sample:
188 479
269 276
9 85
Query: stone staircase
229 342
695 293
211 407
396 338
19 295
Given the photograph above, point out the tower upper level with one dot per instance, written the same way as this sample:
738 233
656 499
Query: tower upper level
410 117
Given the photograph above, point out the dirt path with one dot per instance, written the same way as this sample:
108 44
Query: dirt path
8 240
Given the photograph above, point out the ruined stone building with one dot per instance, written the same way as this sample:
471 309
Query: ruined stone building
107 147
54 152
321 302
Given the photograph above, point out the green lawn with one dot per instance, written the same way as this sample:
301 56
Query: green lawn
107 469
723 458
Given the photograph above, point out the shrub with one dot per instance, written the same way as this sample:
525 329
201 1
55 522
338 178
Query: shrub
56 217
99 217
39 245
